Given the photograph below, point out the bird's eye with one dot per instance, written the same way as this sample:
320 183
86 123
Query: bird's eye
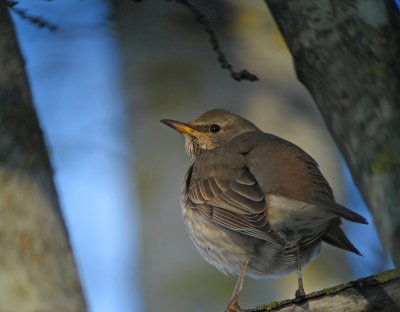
214 128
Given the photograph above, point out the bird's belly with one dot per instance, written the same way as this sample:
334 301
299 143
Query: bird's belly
228 250
223 248
281 263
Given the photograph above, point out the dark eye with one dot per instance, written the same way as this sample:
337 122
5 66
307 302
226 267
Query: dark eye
215 128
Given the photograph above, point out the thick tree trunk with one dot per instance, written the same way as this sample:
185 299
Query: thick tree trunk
376 293
37 269
346 53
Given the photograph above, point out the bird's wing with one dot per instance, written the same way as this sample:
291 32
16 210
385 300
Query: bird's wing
282 168
237 204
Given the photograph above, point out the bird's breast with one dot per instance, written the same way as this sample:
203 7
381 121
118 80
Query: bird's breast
222 248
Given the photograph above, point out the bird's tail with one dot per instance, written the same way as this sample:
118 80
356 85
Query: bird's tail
335 236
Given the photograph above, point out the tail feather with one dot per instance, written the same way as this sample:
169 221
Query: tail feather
343 212
335 236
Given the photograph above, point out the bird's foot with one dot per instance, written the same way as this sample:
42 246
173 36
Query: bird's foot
299 294
233 306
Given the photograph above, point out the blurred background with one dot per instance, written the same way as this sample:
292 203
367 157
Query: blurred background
102 82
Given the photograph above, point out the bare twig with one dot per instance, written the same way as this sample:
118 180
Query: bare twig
202 20
36 20
11 3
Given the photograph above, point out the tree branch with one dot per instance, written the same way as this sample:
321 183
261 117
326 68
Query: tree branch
366 294
346 54
37 269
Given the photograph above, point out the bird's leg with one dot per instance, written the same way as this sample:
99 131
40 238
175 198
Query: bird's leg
300 291
233 305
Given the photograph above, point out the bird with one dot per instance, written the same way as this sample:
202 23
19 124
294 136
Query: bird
255 204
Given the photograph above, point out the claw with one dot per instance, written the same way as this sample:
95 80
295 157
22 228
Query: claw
299 293
233 306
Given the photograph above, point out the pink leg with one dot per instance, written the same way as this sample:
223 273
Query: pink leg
233 305
300 291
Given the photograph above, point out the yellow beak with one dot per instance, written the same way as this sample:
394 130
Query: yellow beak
181 127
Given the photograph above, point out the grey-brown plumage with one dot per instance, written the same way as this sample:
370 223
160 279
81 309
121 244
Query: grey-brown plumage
256 201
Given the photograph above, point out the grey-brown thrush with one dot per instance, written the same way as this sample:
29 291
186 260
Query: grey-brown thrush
254 203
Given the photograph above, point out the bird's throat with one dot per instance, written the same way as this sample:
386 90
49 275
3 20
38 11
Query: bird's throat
193 149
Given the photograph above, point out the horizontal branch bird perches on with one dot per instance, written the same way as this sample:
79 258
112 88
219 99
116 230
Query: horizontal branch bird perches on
379 292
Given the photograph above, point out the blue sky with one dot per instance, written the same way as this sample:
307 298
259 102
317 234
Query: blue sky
364 237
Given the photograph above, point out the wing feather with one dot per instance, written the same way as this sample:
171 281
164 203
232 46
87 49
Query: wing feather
237 204
249 191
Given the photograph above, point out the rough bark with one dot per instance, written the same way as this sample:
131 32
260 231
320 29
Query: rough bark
375 293
346 53
37 269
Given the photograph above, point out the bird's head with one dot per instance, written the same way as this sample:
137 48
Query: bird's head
212 129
